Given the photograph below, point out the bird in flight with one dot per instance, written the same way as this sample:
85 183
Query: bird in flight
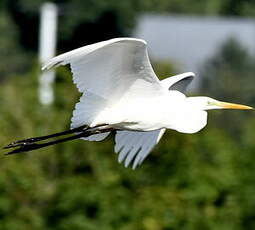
121 93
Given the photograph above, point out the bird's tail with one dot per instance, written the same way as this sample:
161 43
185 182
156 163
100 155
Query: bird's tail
87 111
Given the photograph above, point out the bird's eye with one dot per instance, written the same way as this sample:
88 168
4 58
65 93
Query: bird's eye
210 103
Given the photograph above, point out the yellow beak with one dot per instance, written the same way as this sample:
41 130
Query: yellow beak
226 105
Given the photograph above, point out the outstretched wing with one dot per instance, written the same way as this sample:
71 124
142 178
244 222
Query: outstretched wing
135 146
178 82
105 72
111 69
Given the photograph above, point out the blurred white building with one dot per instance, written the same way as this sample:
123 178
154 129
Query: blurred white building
188 41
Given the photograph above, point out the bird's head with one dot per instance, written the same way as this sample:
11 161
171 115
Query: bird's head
207 103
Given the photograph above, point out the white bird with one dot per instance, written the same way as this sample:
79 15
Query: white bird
121 92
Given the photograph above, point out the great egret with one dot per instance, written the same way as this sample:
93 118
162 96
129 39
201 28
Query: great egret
120 92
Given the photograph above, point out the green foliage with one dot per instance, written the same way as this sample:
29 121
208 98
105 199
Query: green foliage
189 182
164 69
80 21
215 7
88 21
229 76
200 181
85 21
231 65
185 6
12 58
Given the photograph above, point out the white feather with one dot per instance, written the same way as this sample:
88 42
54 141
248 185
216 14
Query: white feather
110 68
121 89
168 82
145 141
136 144
86 111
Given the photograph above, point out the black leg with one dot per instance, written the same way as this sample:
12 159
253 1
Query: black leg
41 138
29 146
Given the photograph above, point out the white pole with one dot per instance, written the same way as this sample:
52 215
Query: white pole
47 48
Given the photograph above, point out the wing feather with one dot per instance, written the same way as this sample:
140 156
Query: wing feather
178 82
135 149
112 68
134 145
107 71
130 142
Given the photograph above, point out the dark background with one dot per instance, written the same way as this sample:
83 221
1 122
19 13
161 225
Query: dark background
200 181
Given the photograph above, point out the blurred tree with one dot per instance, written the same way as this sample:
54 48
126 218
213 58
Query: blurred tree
185 6
238 7
80 22
163 69
229 76
13 60
200 181
87 21
189 182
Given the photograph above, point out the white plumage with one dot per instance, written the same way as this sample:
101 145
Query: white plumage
121 90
